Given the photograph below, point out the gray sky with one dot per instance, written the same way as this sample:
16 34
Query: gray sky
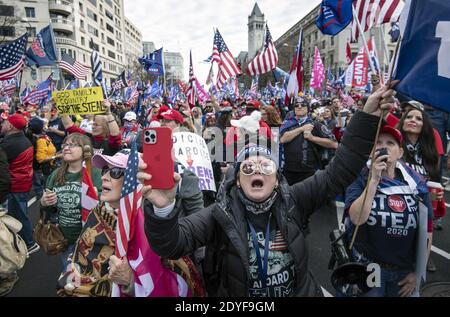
180 25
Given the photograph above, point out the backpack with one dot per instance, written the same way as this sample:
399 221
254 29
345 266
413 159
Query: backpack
13 251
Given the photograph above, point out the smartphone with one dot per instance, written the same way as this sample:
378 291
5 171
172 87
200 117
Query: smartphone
381 152
157 150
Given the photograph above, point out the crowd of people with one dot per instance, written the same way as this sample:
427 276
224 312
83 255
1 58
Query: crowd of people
280 164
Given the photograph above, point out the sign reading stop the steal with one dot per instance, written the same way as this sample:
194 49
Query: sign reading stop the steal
79 101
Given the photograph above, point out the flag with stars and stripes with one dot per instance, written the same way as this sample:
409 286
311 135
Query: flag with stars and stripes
70 65
266 60
191 92
130 201
40 94
227 65
12 57
8 87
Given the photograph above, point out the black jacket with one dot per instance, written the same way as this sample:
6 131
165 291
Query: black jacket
5 178
223 229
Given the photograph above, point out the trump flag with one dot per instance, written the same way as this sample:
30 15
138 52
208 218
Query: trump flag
423 66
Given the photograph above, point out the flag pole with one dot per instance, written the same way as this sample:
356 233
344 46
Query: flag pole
366 47
384 44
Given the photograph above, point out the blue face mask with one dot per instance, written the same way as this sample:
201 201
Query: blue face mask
128 125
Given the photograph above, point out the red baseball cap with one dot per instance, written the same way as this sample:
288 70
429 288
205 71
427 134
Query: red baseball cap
173 115
253 104
18 121
396 134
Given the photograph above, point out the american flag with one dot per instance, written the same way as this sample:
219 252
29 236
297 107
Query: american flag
222 55
8 87
191 92
40 94
130 201
12 57
89 197
266 60
70 65
372 13
279 243
132 94
254 87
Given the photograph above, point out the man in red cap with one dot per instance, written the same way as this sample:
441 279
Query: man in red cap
171 119
19 151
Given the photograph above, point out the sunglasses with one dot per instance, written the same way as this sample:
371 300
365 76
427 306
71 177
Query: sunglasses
300 105
114 172
250 168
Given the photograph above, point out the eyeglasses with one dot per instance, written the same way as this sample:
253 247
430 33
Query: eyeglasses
69 145
114 172
267 168
300 105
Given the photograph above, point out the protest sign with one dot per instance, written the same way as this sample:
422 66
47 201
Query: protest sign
191 151
79 101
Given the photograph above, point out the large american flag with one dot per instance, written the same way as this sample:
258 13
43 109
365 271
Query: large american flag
70 65
191 92
266 60
222 55
372 13
12 57
130 201
40 94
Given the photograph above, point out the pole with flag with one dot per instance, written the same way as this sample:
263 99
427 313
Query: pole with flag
295 83
191 93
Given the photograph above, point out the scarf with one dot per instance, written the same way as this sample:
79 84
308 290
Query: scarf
257 208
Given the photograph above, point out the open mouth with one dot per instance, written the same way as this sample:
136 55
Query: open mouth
257 183
106 189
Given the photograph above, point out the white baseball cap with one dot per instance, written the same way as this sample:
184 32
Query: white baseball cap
130 116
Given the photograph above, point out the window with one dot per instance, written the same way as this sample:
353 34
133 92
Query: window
30 12
112 54
92 30
31 31
331 60
110 41
6 11
94 2
109 2
109 28
84 58
7 31
81 7
316 36
92 15
83 41
332 41
109 15
323 44
103 50
81 24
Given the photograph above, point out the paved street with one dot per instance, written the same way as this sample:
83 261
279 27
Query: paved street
38 277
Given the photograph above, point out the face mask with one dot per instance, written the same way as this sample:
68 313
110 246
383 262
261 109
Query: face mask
128 126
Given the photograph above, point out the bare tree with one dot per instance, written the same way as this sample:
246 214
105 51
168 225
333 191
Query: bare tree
9 19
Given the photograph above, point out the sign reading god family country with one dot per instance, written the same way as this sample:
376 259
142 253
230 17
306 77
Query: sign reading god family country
191 151
79 101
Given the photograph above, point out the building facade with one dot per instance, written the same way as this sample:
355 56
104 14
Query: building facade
133 47
332 49
79 26
173 64
148 47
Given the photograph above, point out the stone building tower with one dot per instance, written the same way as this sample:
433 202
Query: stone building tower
255 32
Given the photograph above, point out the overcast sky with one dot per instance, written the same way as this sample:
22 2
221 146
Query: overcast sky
183 25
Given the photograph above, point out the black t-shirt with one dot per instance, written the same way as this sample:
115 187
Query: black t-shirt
56 139
301 155
281 278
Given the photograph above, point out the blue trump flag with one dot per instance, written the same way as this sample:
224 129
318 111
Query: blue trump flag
334 16
154 62
423 66
42 51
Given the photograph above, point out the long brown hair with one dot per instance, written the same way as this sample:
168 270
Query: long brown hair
86 145
273 118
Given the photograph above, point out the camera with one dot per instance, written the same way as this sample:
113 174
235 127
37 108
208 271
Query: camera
150 137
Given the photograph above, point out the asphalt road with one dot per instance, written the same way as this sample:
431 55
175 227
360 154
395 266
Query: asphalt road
40 273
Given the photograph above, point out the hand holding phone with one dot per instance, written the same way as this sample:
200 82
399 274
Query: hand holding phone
381 152
49 198
157 150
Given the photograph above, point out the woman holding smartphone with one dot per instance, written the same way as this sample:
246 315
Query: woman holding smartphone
389 218
63 189
254 234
